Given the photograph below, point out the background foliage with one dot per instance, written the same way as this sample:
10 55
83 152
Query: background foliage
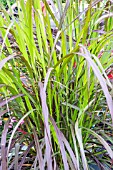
4 2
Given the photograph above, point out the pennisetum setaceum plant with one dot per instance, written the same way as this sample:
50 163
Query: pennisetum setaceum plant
56 107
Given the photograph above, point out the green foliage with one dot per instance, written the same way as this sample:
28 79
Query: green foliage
53 78
4 2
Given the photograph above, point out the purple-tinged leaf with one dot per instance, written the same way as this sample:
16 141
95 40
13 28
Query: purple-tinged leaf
46 124
61 144
72 155
17 139
24 155
80 142
64 13
39 152
46 120
75 147
4 102
99 31
47 77
2 62
70 163
102 141
85 53
16 127
3 147
17 147
110 14
2 85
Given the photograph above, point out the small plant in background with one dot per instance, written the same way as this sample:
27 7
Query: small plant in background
55 89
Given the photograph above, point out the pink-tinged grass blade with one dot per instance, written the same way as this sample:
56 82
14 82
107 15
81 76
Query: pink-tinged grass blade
46 119
61 144
16 127
25 155
102 141
46 126
85 53
4 102
39 151
4 154
3 61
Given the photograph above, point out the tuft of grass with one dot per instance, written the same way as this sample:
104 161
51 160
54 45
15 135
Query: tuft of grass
53 81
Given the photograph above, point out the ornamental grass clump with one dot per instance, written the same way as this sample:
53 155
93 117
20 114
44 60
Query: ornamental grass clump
56 107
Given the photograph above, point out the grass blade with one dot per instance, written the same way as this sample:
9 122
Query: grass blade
17 147
2 62
46 120
39 152
79 138
16 127
63 152
101 79
10 99
102 141
3 147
